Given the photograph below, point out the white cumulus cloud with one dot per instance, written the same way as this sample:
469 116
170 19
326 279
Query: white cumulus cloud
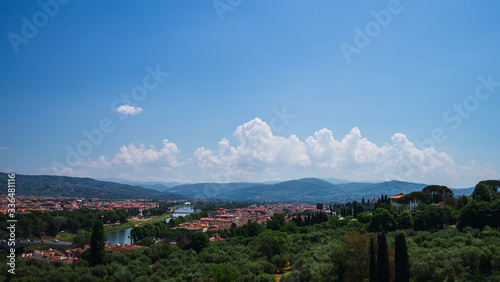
140 155
128 110
100 163
352 157
258 147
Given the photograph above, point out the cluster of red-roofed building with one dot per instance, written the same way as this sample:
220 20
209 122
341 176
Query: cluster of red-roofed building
52 255
225 218
27 204
216 220
70 255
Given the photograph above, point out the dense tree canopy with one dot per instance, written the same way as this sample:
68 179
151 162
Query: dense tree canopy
480 214
250 229
423 197
276 222
438 192
382 220
198 241
225 273
494 184
51 223
484 192
272 243
431 217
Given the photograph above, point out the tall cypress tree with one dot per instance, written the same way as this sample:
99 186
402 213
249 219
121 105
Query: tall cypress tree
402 259
97 242
232 231
373 262
383 272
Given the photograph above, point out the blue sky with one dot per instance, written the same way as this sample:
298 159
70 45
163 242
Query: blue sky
251 90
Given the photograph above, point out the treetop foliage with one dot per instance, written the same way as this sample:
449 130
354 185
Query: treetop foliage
484 192
494 184
423 197
439 193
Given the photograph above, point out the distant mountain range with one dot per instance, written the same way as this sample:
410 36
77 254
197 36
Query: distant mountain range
54 186
158 186
300 190
305 190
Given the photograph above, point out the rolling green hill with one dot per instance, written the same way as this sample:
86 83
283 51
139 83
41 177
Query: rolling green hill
302 190
210 190
305 190
49 185
156 185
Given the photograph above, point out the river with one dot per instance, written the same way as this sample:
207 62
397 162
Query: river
122 236
182 211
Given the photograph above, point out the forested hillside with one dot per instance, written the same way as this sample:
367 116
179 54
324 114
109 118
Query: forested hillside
311 190
54 186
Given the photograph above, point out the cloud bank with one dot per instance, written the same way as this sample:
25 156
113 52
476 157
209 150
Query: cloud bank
259 155
353 157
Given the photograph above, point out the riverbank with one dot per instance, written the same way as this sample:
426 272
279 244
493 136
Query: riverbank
136 222
122 236
68 237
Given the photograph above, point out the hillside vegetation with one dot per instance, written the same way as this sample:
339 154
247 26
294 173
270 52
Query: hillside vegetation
55 186
386 245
